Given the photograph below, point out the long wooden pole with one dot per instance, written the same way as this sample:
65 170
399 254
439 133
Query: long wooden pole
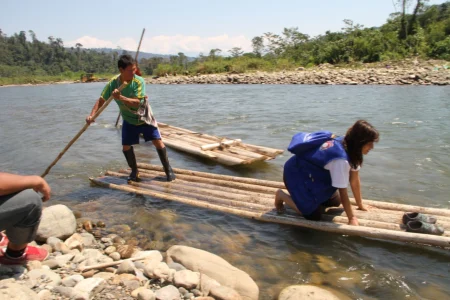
99 111
136 59
298 221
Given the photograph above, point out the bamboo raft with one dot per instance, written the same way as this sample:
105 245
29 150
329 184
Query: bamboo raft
222 150
254 199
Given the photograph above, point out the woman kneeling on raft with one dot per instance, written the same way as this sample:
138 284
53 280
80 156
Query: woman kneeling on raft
318 174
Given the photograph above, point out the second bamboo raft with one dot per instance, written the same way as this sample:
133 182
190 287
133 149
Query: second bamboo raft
253 198
222 150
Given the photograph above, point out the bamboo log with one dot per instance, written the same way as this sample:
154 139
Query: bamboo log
201 197
259 205
406 208
277 184
261 150
221 144
386 217
253 181
145 174
324 226
86 126
202 191
196 143
109 264
179 145
238 185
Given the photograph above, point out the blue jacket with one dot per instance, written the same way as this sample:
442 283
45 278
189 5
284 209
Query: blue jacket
308 182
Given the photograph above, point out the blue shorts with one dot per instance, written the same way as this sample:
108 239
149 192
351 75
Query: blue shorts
131 133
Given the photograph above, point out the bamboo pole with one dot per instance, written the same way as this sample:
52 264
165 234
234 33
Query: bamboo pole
202 191
406 207
263 150
231 200
243 155
136 59
262 182
221 144
109 264
99 111
262 203
225 183
144 173
219 157
267 217
277 184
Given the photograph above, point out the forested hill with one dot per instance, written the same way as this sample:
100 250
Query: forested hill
423 33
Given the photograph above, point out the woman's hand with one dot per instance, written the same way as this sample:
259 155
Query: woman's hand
366 207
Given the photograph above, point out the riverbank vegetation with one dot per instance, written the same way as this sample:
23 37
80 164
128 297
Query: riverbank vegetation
423 33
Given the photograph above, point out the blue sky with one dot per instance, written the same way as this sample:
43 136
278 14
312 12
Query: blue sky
190 27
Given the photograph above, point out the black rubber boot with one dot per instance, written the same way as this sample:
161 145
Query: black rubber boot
131 160
165 162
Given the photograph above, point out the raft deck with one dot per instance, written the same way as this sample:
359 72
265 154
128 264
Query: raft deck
222 150
254 199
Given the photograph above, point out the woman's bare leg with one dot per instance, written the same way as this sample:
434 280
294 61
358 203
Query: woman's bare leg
281 198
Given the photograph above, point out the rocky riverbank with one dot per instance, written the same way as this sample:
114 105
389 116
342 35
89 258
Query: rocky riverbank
404 73
85 263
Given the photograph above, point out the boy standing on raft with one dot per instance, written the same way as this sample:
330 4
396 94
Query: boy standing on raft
129 100
318 174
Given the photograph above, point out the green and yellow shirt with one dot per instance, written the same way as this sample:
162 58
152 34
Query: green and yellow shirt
135 89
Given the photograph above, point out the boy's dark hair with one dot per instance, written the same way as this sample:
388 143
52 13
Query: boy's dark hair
125 60
361 133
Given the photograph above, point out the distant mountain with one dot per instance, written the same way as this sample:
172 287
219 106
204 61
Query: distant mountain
145 55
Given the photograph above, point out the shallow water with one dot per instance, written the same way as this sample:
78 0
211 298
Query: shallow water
409 165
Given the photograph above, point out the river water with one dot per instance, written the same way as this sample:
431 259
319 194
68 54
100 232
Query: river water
409 165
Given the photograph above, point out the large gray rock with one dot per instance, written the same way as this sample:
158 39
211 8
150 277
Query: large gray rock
305 291
11 290
215 267
56 221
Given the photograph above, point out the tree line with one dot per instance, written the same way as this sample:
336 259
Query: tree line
425 33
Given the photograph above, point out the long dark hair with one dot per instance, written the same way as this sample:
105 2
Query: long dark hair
361 133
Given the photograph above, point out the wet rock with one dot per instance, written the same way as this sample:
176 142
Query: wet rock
300 292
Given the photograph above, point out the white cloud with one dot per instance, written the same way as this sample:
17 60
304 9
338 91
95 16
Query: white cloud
163 44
